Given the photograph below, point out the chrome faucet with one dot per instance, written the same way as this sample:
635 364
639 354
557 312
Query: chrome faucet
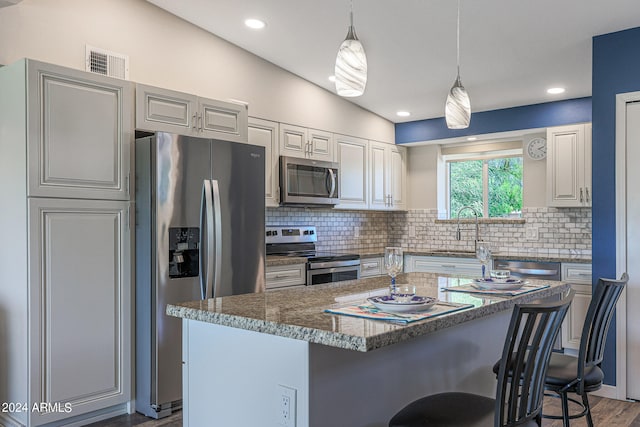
458 234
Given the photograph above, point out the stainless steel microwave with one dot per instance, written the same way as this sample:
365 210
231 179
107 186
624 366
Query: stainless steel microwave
308 182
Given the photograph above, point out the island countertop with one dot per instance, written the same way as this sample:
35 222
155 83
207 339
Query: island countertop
298 313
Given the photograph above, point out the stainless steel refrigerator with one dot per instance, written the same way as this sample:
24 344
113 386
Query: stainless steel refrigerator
199 234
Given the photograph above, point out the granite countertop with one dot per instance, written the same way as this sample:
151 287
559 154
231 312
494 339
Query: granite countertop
550 256
544 256
276 260
298 313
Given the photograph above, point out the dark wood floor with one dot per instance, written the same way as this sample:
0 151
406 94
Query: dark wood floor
606 413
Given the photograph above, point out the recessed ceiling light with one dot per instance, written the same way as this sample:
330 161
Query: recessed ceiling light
332 78
255 24
555 90
403 113
472 138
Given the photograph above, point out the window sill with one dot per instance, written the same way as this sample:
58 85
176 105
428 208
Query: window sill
482 221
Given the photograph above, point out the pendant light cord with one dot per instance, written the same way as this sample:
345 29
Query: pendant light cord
458 40
351 13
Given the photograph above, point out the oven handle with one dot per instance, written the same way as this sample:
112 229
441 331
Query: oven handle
311 273
329 264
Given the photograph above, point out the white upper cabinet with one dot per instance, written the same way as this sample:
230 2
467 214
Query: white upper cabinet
170 111
378 175
265 134
352 156
388 176
398 177
80 127
569 166
297 141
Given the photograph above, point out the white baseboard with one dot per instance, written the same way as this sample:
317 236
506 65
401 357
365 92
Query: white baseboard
608 391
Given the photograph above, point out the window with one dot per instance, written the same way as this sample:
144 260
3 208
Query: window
491 183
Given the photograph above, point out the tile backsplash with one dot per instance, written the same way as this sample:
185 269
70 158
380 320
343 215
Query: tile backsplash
545 230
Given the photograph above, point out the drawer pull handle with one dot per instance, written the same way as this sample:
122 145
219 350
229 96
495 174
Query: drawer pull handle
448 265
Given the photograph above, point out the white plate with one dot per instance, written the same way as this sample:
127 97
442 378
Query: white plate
499 284
386 303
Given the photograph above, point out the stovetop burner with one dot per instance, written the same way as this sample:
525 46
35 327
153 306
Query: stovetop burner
300 242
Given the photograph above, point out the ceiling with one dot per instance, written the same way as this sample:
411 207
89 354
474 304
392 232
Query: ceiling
511 50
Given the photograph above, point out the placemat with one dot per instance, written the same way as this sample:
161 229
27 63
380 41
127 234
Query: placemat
471 288
368 311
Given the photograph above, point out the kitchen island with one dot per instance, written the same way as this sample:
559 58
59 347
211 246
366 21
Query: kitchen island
239 351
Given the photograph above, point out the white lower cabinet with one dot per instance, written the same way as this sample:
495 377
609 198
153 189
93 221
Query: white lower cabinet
579 276
282 276
446 265
372 267
79 306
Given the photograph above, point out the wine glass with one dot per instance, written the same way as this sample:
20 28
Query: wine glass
483 254
393 263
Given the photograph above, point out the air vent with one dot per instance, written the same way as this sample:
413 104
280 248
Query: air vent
107 63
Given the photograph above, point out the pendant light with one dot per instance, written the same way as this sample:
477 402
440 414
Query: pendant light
457 111
351 64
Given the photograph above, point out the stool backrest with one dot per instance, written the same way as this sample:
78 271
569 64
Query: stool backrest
596 323
530 337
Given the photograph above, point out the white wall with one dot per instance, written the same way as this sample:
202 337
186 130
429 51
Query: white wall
535 177
168 52
422 176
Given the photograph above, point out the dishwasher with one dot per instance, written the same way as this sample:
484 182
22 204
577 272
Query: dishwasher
539 270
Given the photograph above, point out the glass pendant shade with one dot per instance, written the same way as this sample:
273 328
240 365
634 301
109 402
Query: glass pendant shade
351 66
457 111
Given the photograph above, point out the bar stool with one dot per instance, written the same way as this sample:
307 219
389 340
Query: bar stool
581 375
529 341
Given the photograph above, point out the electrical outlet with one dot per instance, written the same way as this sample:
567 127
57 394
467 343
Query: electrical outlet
356 232
286 406
412 231
531 233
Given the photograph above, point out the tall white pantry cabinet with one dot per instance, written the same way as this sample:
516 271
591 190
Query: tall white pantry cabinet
65 268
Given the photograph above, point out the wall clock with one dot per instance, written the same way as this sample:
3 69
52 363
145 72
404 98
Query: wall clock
537 148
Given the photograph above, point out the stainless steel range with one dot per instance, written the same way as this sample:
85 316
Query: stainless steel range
322 267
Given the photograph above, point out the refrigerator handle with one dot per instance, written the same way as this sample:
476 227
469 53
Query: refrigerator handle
206 240
217 223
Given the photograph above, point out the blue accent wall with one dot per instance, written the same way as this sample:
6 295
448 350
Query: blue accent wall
616 69
508 119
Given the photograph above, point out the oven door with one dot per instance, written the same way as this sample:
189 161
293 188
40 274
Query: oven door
334 274
310 182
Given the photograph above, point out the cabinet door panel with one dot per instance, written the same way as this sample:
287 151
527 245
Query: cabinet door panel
321 145
378 171
588 193
80 133
568 166
574 321
265 134
224 120
80 304
165 110
398 177
293 140
352 159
